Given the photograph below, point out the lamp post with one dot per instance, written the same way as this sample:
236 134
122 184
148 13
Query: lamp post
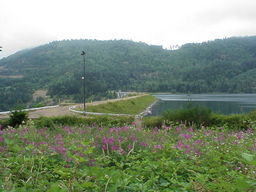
83 78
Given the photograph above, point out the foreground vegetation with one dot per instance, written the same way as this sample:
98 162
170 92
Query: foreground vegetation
125 158
200 116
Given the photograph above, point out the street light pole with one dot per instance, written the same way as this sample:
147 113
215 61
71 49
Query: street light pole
83 54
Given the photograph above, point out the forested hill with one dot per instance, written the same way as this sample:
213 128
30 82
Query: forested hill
227 65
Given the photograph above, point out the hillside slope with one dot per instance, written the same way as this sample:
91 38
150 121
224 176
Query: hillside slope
226 65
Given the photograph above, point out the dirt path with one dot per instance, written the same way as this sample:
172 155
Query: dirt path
64 110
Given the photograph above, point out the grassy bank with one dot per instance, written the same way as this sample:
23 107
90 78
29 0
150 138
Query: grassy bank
129 106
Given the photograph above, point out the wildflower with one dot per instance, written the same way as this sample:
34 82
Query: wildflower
167 127
67 129
190 129
104 147
239 135
186 136
129 146
143 144
133 138
59 149
120 139
106 140
179 145
115 148
198 141
158 147
1 139
208 133
125 128
178 129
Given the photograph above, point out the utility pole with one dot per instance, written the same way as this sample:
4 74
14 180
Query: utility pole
83 78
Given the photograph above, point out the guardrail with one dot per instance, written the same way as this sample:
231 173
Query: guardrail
140 115
30 109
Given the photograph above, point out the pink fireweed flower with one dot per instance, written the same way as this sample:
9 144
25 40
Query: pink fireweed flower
133 138
198 141
143 144
59 142
1 139
58 137
125 128
121 151
178 130
59 149
129 146
167 127
120 139
179 145
186 136
197 152
111 130
67 129
114 148
106 140
158 147
220 138
2 149
104 147
190 129
208 133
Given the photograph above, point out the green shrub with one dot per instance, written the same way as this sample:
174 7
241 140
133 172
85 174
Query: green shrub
107 121
152 122
18 117
233 121
4 123
192 114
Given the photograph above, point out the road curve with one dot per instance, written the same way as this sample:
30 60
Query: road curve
64 110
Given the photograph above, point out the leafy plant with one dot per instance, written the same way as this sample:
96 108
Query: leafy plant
18 117
192 114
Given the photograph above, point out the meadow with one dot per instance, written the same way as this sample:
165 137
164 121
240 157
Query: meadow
124 158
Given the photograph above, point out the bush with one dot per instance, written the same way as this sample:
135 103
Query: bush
192 114
233 121
3 124
107 121
18 117
152 122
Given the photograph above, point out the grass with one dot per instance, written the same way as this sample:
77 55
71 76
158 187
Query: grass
124 158
129 106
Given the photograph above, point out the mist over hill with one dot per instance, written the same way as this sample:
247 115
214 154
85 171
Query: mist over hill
226 65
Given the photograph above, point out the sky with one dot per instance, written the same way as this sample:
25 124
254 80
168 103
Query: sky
29 23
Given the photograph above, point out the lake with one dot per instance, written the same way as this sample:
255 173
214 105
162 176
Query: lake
219 103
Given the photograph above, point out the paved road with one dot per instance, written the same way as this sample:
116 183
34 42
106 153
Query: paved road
64 110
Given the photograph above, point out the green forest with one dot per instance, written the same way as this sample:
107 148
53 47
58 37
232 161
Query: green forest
219 66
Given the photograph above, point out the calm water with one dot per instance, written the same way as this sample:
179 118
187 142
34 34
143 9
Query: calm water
219 103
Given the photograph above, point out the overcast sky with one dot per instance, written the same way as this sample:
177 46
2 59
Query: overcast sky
29 23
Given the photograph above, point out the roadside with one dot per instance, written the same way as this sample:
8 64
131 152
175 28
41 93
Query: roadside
64 110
